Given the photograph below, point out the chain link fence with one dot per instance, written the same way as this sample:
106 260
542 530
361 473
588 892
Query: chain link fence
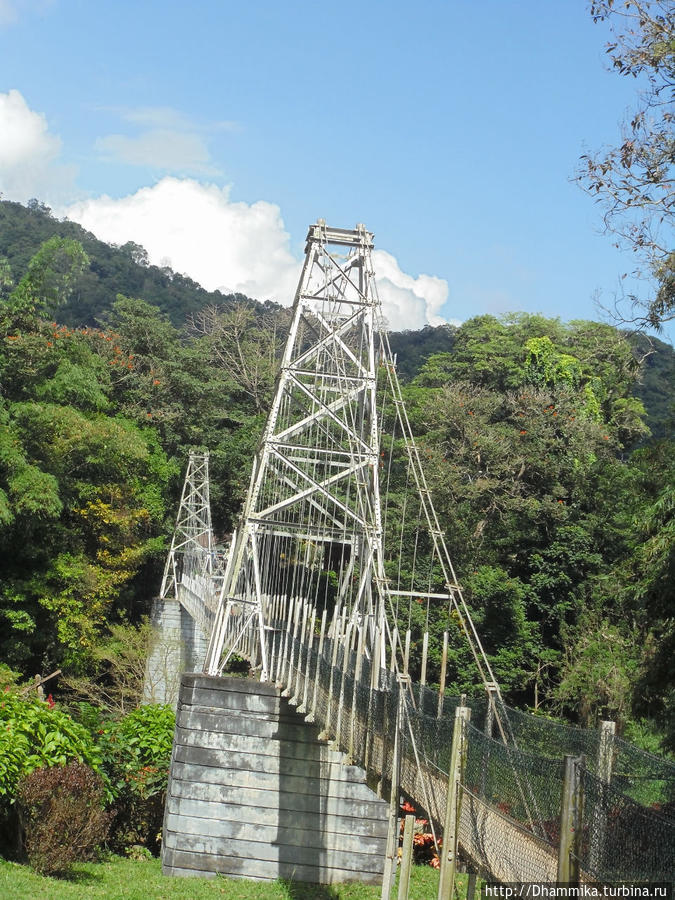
622 840
511 806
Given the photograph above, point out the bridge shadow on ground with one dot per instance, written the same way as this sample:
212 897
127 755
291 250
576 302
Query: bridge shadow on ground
302 890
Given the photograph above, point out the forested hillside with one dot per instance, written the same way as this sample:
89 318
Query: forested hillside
653 384
561 530
111 270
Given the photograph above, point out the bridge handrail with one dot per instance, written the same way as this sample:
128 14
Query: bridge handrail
360 718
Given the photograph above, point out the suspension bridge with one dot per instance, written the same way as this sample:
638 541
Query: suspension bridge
298 770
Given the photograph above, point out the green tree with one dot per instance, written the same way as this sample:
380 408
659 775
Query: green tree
634 181
47 284
646 576
534 498
598 673
81 495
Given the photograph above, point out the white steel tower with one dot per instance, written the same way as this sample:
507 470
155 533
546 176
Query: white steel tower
311 523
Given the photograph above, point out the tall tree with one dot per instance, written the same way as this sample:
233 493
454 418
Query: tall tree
46 285
524 426
634 181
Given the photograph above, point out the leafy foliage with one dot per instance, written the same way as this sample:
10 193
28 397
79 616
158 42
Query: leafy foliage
598 673
136 755
111 270
34 735
634 181
117 682
555 501
82 493
526 426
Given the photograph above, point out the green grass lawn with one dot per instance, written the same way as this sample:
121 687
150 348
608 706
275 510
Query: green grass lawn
125 879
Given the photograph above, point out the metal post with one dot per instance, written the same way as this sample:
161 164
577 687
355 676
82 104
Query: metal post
570 821
337 626
453 805
406 653
423 670
308 667
311 717
373 686
604 765
284 614
289 614
297 614
295 699
394 796
406 858
444 667
425 654
355 690
341 699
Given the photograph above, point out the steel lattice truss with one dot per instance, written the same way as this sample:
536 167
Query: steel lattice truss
192 570
313 504
314 490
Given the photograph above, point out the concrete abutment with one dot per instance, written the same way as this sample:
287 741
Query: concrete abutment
254 794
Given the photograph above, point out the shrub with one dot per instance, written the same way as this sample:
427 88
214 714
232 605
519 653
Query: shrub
136 755
62 814
117 684
34 735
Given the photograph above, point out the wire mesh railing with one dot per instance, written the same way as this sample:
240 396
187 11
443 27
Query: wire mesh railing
646 778
510 819
622 840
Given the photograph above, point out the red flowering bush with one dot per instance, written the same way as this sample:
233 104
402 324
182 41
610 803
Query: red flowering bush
136 756
424 850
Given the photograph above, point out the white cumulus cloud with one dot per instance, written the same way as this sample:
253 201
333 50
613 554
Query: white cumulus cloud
197 230
29 154
193 227
408 302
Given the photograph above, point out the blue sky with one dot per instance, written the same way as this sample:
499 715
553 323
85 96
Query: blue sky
215 133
